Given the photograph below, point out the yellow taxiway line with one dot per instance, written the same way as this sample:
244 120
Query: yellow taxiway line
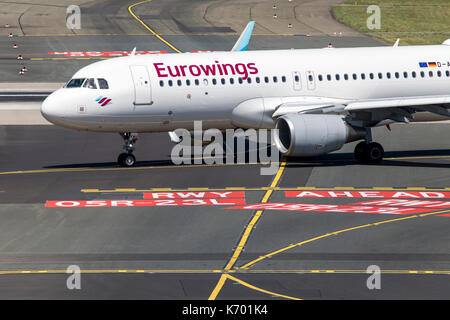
327 235
399 189
234 271
247 231
147 27
120 168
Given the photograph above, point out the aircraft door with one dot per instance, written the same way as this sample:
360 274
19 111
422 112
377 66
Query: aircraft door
142 87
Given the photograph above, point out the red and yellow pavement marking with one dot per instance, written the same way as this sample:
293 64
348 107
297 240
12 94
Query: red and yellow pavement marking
142 203
244 238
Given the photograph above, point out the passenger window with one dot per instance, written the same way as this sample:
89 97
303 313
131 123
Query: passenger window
90 83
240 80
170 83
320 77
188 82
397 75
214 81
346 76
102 83
328 77
283 78
161 83
197 82
380 75
414 74
222 81
258 80
405 75
422 74
447 73
296 79
439 73
363 76
179 83
231 80
371 76
431 74
337 78
275 79
355 76
388 75
205 82
266 79
249 80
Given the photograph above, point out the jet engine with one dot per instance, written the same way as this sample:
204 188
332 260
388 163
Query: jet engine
303 135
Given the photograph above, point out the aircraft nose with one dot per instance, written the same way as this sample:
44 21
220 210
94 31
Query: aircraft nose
51 108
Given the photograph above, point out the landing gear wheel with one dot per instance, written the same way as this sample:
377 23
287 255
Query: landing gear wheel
369 152
374 152
359 151
126 160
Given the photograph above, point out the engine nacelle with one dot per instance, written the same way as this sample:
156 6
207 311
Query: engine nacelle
304 135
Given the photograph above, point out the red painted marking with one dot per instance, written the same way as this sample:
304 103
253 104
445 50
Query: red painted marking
407 203
366 194
304 207
444 215
102 53
142 203
185 195
106 102
103 99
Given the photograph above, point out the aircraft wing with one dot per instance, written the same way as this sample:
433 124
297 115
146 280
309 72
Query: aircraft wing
376 111
397 103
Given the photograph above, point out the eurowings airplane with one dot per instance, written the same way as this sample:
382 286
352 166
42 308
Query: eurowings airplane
318 99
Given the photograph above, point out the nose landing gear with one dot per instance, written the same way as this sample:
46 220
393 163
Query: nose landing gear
127 159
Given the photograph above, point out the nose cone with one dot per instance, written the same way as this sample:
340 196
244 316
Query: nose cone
52 109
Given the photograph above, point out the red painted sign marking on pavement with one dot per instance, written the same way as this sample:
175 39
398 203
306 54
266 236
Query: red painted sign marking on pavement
365 194
184 195
108 53
102 53
304 207
142 203
407 203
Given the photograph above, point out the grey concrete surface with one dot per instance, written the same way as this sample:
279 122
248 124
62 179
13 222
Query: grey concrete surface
196 238
174 16
39 28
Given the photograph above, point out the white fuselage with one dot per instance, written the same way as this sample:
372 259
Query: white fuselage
159 92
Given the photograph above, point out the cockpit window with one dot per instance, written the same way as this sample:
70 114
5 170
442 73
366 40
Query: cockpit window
90 83
75 83
103 84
